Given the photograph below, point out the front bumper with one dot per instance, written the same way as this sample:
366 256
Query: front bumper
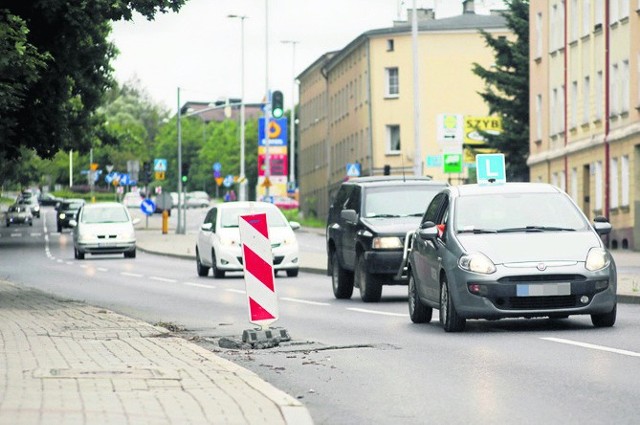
97 248
284 258
385 262
527 292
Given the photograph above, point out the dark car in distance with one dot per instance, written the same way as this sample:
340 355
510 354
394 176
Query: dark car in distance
366 228
66 211
47 199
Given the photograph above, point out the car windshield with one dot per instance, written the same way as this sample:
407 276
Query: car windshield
229 217
72 206
519 212
398 201
104 215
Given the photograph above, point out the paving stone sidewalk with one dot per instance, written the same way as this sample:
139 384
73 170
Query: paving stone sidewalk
64 362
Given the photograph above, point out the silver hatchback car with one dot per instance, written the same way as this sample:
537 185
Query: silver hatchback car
511 250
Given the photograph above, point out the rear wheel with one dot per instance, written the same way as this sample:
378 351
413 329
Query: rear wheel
79 255
605 320
418 312
370 289
341 279
59 228
451 321
217 273
202 270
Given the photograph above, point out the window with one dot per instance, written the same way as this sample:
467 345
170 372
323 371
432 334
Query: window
613 180
574 184
539 117
574 21
393 83
599 104
598 188
586 94
574 105
624 86
624 180
613 11
539 35
390 45
586 17
614 97
599 12
393 138
554 27
561 109
624 9
554 111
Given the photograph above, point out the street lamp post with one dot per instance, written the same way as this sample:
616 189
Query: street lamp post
292 167
243 182
267 109
179 228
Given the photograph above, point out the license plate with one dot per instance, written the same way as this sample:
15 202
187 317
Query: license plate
543 289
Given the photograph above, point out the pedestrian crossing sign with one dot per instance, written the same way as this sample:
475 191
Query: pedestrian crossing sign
353 169
160 164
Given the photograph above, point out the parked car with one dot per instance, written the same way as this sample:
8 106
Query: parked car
511 250
104 228
366 226
31 202
67 210
197 199
47 199
218 246
18 214
132 200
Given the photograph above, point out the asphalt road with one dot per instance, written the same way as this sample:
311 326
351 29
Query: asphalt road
356 363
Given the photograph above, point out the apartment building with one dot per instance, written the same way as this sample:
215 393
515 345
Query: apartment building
357 104
585 107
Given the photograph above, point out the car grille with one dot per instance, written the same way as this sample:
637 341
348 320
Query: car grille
543 278
540 303
276 260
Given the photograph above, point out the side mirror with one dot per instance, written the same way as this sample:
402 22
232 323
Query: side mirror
206 227
350 216
602 227
136 221
294 225
428 231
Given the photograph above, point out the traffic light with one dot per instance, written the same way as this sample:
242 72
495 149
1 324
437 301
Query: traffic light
277 104
387 169
146 172
184 179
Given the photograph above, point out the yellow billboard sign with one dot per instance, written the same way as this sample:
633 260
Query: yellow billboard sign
475 126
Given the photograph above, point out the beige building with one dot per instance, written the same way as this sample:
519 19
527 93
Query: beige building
357 104
585 107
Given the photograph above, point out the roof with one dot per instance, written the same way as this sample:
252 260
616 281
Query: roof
394 180
519 187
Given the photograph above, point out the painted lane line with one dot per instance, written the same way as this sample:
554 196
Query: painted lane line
163 279
237 291
16 235
84 266
199 285
382 313
102 269
131 274
296 300
593 346
69 263
59 261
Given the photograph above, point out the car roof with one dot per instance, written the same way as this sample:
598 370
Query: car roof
245 204
395 180
104 205
515 187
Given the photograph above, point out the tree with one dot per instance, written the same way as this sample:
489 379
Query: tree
55 67
507 92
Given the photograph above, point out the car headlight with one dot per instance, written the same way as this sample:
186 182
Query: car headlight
477 263
387 242
597 259
62 216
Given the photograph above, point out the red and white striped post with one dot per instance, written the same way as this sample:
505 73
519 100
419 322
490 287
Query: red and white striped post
258 269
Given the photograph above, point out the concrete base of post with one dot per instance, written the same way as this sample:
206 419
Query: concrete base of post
265 338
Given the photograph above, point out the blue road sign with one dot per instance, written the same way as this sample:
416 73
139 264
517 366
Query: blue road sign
353 169
159 164
148 206
228 181
217 166
490 169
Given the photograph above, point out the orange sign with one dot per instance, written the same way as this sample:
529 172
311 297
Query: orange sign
94 166
219 180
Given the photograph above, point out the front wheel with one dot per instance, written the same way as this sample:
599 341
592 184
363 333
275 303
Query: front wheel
418 312
130 254
292 272
202 270
370 289
217 273
605 320
451 321
341 279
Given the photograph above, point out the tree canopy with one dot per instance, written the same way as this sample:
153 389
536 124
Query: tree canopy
507 92
55 68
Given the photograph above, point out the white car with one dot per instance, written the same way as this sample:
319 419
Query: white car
219 247
132 200
104 228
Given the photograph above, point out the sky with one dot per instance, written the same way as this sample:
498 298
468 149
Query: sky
199 49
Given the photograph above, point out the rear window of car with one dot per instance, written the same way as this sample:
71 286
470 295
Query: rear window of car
104 215
406 200
509 210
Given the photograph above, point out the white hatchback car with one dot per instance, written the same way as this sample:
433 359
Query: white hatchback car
219 247
104 228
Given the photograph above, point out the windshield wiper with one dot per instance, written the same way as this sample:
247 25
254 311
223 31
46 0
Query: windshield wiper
383 216
536 229
476 231
418 214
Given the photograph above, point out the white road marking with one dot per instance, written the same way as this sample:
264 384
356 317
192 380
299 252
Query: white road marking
593 346
16 235
102 269
163 279
70 263
131 274
237 291
84 266
382 313
59 261
199 285
36 234
296 300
